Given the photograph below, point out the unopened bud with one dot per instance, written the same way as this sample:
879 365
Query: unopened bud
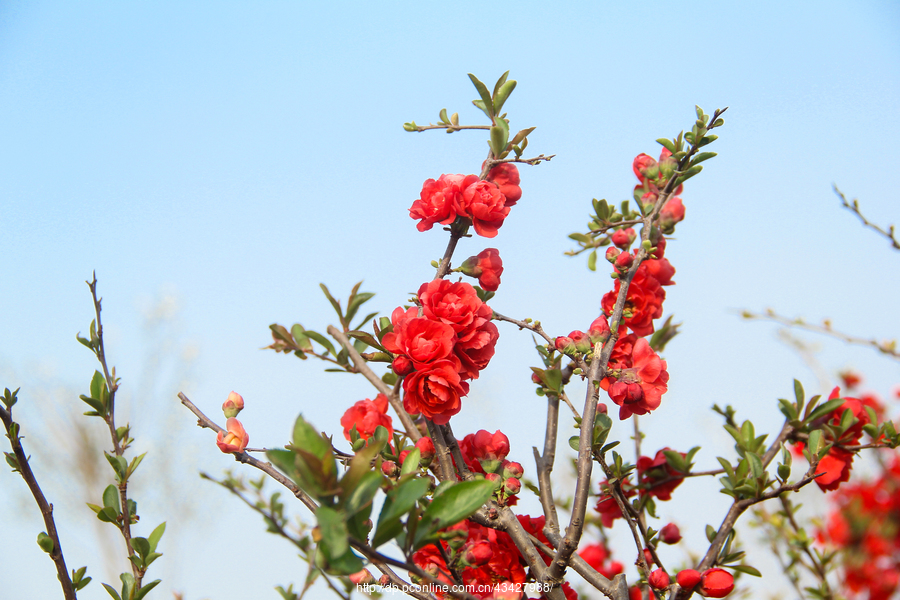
402 366
688 578
624 261
623 237
390 469
658 579
612 253
361 578
384 580
478 554
513 469
670 534
496 479
233 405
426 451
512 486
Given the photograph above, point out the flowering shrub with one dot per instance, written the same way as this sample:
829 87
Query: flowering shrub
446 503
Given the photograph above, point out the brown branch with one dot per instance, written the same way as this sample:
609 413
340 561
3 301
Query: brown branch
267 468
360 363
631 518
533 326
544 464
447 472
853 206
887 347
449 127
12 432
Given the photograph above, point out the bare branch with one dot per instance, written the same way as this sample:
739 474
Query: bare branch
853 206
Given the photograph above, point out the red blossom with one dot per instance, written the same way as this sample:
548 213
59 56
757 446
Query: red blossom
486 266
234 438
506 177
607 505
637 389
484 449
658 579
658 477
688 578
439 201
643 302
420 339
366 415
598 557
435 392
485 205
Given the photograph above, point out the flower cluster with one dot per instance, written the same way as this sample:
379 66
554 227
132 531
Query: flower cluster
438 351
653 177
485 203
837 463
866 524
485 453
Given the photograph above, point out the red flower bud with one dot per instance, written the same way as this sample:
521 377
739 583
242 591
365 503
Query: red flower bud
403 455
496 479
581 341
648 557
512 486
670 534
623 237
362 578
658 579
384 580
565 345
513 469
601 408
716 583
612 253
536 378
233 405
599 330
688 578
402 366
624 261
478 553
487 267
426 450
390 469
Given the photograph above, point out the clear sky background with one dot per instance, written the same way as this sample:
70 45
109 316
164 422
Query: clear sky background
213 162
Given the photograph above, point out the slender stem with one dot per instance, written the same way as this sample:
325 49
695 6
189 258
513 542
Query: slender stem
853 206
629 514
443 452
456 452
118 448
393 397
12 432
544 464
818 569
534 326
243 457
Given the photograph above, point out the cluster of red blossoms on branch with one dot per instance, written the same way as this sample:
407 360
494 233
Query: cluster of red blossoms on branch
484 202
438 345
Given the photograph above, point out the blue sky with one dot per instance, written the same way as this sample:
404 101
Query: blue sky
224 158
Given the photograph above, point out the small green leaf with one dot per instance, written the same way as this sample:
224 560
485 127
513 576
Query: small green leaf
322 340
411 463
710 533
574 443
746 569
112 591
488 107
111 498
456 503
798 392
592 260
156 535
145 589
399 501
501 95
334 531
307 438
362 494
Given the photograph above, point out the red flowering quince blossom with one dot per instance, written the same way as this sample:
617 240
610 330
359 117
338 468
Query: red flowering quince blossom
486 266
598 557
420 339
367 415
435 392
638 388
653 175
456 304
506 177
643 302
484 451
439 201
234 438
658 477
485 205
607 505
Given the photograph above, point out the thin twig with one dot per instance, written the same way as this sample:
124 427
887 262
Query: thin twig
534 326
853 206
118 449
888 347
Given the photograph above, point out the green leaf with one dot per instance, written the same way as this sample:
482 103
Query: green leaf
411 463
322 340
111 498
499 137
756 466
574 443
354 305
97 383
284 461
456 503
666 143
119 465
501 95
145 589
499 83
485 96
362 494
703 156
602 427
307 438
746 569
403 497
798 392
592 260
580 237
334 531
112 592
710 533
824 409
300 337
141 546
156 535
334 303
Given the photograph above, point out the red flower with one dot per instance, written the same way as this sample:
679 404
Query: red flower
671 213
420 339
440 200
644 166
488 449
485 205
607 505
660 269
638 389
234 439
487 267
456 304
435 392
506 177
366 415
659 478
475 348
716 583
597 556
642 304
623 238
